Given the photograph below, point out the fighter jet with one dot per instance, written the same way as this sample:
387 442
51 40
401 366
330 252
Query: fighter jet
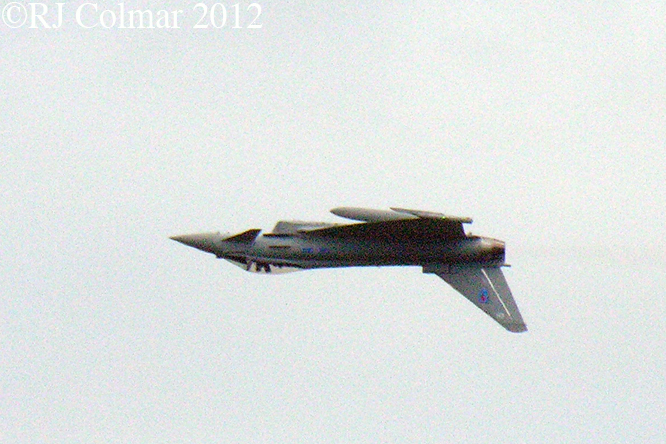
434 241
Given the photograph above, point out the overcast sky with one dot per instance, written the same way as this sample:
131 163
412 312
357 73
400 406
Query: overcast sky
545 123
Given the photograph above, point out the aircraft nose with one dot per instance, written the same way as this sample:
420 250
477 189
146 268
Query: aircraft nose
201 241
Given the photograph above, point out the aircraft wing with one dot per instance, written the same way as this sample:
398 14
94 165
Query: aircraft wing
486 288
397 225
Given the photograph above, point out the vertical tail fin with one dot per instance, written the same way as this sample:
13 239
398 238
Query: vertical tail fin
486 288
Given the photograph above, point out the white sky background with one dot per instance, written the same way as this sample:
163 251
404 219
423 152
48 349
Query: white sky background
544 123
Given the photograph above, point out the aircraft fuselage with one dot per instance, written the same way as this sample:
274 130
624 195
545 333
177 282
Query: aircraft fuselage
434 241
307 253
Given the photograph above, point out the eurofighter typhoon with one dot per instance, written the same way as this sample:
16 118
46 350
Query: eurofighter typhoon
434 241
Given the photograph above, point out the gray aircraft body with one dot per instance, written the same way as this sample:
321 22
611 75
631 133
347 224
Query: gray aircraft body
434 241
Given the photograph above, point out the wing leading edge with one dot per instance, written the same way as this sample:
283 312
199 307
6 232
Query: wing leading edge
397 225
486 288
